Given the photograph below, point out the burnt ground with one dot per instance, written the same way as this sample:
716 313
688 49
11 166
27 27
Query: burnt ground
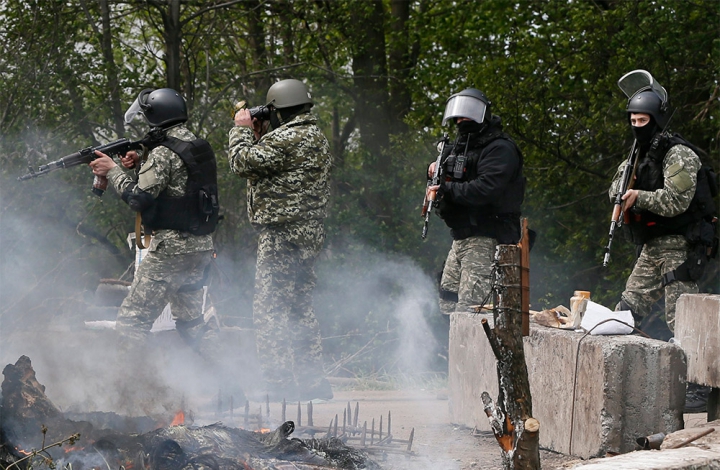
437 443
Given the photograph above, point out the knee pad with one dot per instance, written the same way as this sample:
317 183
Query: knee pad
623 305
450 296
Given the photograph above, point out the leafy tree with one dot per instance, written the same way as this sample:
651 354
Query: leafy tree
380 72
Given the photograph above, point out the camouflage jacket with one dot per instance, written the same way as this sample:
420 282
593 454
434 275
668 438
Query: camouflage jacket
163 170
680 168
287 171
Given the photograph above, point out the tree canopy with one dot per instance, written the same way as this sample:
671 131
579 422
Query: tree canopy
380 72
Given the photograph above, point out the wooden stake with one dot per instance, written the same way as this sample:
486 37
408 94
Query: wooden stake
525 277
513 410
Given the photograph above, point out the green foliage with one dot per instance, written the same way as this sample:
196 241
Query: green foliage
550 69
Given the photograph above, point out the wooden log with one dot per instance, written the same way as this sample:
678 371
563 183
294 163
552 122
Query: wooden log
511 413
525 277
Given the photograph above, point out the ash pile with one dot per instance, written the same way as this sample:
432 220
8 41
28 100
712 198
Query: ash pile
34 433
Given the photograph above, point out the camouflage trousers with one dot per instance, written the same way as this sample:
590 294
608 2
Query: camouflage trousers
287 333
644 286
160 279
466 273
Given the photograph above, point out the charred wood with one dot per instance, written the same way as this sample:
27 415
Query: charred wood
28 419
511 421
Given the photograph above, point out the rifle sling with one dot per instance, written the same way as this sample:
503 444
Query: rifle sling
141 241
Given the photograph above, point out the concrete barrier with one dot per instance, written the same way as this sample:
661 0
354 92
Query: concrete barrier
697 330
626 386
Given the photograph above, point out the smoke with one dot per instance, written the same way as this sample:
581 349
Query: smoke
380 298
47 289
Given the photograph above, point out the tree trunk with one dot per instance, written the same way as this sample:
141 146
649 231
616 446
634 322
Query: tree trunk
372 111
399 65
511 418
173 35
256 40
111 70
370 80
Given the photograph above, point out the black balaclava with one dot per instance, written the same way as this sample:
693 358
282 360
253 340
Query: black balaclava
279 117
274 118
469 127
645 134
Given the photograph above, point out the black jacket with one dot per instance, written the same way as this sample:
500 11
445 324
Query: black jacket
482 194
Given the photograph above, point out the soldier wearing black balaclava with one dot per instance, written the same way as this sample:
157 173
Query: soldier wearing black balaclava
479 198
670 207
660 208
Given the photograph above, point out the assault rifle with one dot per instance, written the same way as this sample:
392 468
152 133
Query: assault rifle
626 182
434 181
85 156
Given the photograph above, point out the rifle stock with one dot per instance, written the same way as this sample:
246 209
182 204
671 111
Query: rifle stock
618 214
85 156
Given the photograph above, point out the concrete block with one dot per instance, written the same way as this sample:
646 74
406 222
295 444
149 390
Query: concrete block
626 386
697 330
688 458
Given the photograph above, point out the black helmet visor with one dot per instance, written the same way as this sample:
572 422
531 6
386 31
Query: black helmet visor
464 106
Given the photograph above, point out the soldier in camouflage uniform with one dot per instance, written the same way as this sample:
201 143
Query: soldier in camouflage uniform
287 172
664 187
181 248
479 198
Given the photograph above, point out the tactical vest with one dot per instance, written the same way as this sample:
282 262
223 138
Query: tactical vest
500 219
197 210
645 225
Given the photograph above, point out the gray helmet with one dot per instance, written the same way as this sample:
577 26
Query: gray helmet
648 102
469 103
161 108
287 93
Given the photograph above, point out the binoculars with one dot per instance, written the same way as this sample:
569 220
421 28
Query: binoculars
257 112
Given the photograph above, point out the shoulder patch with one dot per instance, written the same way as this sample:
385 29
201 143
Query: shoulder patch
680 177
147 176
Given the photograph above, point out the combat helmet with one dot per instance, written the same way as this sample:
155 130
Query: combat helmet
470 103
645 95
288 93
162 108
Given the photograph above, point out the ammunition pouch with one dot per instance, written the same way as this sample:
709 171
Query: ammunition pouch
703 246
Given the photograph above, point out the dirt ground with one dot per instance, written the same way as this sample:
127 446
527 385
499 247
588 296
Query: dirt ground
437 444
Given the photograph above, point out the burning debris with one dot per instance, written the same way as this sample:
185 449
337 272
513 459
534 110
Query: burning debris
33 430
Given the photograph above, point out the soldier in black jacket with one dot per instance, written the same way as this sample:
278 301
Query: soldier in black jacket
479 197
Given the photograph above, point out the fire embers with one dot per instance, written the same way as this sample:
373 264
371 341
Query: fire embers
24 438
